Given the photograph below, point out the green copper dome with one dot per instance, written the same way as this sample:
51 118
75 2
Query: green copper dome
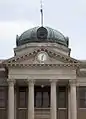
40 35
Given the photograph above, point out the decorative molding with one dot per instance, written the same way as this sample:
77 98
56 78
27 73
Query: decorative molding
73 82
30 82
47 45
53 54
67 65
53 80
11 82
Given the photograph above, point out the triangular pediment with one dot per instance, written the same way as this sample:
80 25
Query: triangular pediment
32 58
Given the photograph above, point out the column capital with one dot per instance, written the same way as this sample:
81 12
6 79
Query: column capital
11 81
73 82
30 81
53 80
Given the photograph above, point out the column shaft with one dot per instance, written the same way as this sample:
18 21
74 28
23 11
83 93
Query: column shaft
15 97
73 101
53 100
69 103
30 100
11 100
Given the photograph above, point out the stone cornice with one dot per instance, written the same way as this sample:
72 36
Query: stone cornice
54 45
67 65
56 55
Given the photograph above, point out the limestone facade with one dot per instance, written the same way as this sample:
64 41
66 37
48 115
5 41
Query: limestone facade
59 76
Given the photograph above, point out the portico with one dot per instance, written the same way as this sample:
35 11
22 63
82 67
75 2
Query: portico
43 93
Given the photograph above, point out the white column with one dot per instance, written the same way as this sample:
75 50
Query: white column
11 99
73 102
53 100
15 103
69 103
30 99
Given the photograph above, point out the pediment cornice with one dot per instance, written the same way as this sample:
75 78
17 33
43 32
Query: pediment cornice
65 65
53 54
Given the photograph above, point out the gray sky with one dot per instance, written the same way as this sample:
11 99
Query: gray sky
66 16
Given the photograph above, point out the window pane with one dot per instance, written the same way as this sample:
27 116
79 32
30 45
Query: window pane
45 99
3 114
82 103
38 99
62 104
42 95
82 97
22 97
82 92
2 97
61 97
2 94
62 114
3 102
22 114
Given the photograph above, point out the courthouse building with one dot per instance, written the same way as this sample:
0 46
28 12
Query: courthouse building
42 80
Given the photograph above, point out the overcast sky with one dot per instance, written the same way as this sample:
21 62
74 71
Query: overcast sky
67 16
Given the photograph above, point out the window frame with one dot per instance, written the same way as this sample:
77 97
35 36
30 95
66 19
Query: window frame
42 90
4 89
65 99
22 89
81 100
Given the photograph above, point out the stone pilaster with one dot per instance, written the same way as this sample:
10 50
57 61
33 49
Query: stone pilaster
53 100
11 98
30 99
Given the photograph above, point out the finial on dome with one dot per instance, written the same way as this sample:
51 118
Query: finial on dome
41 10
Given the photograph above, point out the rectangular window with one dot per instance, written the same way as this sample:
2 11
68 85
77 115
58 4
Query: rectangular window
3 102
22 114
22 97
62 97
38 99
82 97
3 97
42 97
46 99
